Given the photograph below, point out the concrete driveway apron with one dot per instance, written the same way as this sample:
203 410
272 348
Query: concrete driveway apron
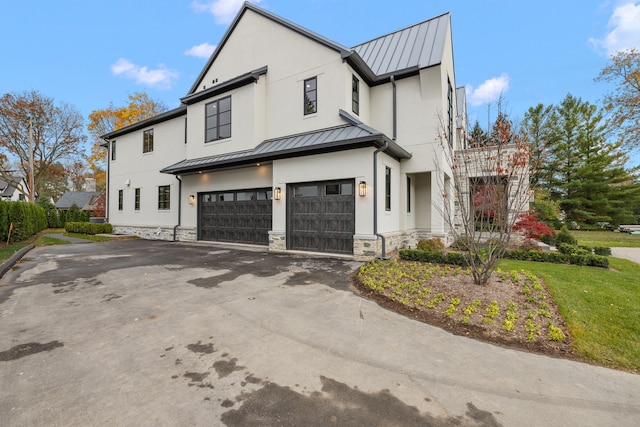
160 333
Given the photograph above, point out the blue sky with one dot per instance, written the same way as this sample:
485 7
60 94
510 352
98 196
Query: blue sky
92 53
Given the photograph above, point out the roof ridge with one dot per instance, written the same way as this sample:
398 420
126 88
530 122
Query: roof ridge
401 29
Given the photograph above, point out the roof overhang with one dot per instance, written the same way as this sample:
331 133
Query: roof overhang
236 82
353 135
171 114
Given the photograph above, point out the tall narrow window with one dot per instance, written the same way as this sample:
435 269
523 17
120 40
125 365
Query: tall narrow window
355 95
218 120
113 150
164 197
147 141
120 199
450 113
387 188
408 194
137 200
310 96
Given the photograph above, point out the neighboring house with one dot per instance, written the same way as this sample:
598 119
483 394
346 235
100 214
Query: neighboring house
292 141
13 190
84 200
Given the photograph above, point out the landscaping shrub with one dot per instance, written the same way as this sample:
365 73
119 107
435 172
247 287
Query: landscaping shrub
602 251
430 245
454 258
21 220
565 236
88 228
532 227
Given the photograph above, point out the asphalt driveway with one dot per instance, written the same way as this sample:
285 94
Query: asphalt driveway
158 333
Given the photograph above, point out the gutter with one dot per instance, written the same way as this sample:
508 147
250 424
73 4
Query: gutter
175 229
107 145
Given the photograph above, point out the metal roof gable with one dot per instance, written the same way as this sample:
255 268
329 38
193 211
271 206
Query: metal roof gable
418 46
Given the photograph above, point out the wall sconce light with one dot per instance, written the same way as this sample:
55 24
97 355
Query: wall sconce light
192 199
277 193
362 189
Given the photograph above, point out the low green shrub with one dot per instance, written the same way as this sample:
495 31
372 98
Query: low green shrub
453 258
430 245
565 236
602 251
88 228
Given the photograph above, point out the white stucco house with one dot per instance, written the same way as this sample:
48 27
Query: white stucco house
292 141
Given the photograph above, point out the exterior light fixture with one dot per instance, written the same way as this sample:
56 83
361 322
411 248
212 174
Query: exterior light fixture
277 193
362 189
192 199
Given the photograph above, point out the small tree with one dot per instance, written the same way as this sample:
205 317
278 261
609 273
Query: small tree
490 189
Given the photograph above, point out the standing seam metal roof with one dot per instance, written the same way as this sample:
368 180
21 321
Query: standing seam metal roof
420 45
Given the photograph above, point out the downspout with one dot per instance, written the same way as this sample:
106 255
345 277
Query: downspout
375 167
395 108
175 229
375 198
106 193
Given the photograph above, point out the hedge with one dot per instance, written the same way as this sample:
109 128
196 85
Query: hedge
20 220
88 228
457 258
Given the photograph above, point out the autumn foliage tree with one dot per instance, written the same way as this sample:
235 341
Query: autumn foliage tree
56 129
623 103
490 188
140 107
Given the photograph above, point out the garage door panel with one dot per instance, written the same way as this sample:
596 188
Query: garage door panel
243 216
321 217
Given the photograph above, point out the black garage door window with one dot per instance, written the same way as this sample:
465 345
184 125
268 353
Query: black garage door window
321 216
239 216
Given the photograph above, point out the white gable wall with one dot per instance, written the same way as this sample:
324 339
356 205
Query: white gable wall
135 169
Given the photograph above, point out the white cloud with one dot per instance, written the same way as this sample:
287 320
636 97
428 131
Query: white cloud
161 77
624 29
223 10
203 50
489 91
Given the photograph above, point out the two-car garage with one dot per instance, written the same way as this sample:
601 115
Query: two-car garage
320 216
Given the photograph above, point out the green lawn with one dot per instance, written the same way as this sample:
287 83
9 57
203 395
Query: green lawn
607 238
7 251
600 307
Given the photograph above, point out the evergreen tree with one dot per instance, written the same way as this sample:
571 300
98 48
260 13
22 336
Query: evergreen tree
584 171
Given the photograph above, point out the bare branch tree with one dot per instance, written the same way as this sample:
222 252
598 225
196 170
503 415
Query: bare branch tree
490 189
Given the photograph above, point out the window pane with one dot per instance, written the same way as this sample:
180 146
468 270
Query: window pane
212 135
346 189
211 122
310 84
265 195
225 197
211 109
224 104
242 196
225 132
332 189
305 190
225 118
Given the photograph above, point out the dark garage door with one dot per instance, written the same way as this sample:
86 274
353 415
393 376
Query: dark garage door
241 216
321 216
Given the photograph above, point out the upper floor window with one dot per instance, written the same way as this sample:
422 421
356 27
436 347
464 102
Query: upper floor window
408 194
120 199
147 141
355 95
164 197
137 200
387 188
113 150
310 96
218 119
450 113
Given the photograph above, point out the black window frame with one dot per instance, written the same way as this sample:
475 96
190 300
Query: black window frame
147 141
408 194
355 95
136 199
219 112
120 200
308 93
387 188
113 151
450 112
164 197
